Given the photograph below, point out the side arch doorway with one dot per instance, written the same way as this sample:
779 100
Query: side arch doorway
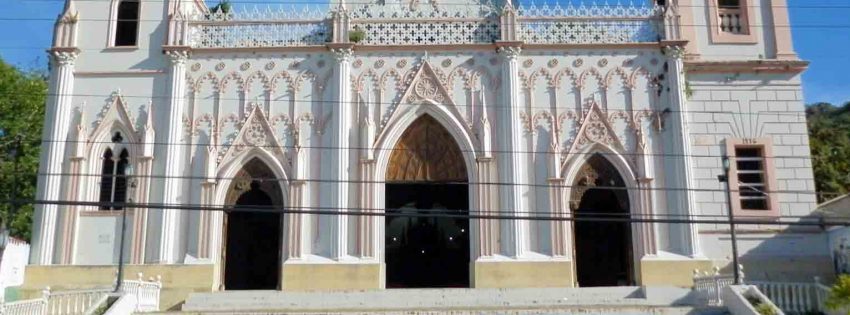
253 229
603 249
427 203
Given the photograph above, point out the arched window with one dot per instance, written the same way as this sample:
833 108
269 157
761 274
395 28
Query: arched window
127 23
113 183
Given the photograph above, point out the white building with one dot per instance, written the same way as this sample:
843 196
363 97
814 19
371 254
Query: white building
331 118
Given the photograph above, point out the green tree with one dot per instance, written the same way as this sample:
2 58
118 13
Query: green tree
22 99
839 294
829 138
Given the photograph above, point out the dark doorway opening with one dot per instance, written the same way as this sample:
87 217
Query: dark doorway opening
252 251
427 202
425 249
603 249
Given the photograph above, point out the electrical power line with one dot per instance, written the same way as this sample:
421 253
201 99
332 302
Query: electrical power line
360 103
383 212
465 183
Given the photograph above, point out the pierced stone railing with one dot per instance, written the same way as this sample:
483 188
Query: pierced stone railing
427 24
589 24
266 28
795 297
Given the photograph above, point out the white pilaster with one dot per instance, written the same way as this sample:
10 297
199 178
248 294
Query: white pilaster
509 159
170 234
683 177
58 116
341 143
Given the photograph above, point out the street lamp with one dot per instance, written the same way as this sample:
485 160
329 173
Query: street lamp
725 179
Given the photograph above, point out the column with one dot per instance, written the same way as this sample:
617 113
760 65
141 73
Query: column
511 173
340 144
58 120
683 177
170 234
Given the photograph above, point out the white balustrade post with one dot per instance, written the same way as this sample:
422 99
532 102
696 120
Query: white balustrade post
169 237
58 118
683 166
511 169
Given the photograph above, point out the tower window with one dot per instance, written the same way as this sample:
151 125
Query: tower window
127 23
733 4
752 184
113 183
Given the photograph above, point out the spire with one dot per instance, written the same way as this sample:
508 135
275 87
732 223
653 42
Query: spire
486 141
148 134
368 131
81 137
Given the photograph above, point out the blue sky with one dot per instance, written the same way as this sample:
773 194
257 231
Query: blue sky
821 31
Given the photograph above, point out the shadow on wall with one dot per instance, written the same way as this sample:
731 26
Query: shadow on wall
783 254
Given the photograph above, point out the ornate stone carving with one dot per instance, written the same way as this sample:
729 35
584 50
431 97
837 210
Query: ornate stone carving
342 54
64 57
426 88
674 51
510 53
220 66
578 62
595 127
425 84
178 57
245 66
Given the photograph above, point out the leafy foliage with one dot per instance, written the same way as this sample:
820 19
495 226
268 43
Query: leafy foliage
22 99
839 295
224 6
356 35
829 138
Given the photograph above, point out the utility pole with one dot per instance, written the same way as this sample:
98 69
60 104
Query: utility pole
16 158
725 179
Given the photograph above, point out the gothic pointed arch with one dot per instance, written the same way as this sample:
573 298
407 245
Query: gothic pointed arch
598 171
425 88
255 134
426 152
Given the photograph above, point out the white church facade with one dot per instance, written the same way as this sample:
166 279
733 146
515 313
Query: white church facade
408 144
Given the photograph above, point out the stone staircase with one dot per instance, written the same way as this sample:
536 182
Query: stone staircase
616 300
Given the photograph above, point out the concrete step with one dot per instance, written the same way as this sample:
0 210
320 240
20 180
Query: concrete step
622 300
589 310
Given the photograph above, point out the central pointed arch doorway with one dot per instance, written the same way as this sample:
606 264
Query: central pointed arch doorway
603 236
427 201
253 230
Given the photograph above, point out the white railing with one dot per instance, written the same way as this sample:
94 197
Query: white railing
711 283
146 292
75 302
730 20
27 307
795 297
